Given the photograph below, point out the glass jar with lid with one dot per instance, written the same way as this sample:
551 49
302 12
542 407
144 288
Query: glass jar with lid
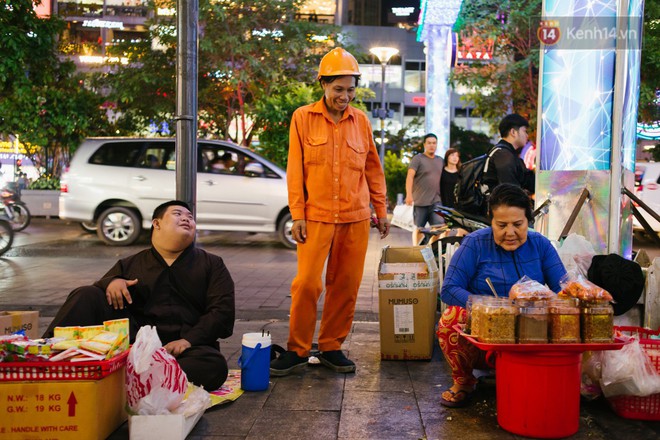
494 321
564 320
532 322
597 321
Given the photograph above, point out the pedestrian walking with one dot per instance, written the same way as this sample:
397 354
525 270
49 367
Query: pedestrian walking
505 165
423 186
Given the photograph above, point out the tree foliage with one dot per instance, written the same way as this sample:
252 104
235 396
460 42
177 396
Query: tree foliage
275 111
42 99
248 52
470 144
510 83
649 109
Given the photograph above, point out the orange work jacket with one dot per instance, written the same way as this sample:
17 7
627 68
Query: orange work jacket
333 170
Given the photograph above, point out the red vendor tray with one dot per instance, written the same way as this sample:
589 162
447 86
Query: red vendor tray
65 370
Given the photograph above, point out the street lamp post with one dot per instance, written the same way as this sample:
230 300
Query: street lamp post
383 54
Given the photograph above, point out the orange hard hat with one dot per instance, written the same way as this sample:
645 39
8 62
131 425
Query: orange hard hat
338 62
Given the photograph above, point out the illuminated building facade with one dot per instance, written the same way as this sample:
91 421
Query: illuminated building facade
94 25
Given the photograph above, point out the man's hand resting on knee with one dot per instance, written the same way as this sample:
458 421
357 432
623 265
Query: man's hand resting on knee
118 290
175 348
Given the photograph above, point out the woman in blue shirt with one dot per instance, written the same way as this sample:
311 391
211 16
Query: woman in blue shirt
504 252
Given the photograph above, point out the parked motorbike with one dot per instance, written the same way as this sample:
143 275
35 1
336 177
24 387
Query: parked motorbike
460 220
455 219
6 233
15 210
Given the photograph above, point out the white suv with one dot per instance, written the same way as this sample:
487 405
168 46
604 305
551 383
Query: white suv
116 183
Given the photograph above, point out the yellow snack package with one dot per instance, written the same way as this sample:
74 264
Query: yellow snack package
66 344
90 331
121 327
67 332
101 343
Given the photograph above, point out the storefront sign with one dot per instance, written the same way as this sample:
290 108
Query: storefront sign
96 23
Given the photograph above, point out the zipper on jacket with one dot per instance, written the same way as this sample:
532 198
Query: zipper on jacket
513 255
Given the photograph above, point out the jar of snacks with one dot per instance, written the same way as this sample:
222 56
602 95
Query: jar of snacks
469 306
494 321
564 321
597 321
532 322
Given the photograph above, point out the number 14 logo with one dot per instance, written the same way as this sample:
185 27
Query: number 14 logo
548 32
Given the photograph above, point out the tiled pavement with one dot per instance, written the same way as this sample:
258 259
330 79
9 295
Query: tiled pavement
383 400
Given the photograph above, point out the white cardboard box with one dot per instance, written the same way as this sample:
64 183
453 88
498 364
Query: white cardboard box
163 427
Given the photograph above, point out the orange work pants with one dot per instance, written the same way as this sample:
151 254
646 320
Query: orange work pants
345 247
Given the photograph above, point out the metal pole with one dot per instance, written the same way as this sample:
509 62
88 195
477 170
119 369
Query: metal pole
186 101
382 115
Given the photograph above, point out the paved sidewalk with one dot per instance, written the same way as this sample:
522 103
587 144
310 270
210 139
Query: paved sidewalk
382 400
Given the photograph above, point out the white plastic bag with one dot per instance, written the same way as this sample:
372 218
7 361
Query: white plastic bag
576 252
629 372
155 382
402 216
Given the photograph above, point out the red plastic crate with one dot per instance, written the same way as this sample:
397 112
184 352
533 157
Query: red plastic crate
65 370
634 407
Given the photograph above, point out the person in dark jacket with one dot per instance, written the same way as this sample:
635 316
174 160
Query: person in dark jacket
505 165
185 292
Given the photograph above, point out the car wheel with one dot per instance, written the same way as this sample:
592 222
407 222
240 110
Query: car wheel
284 231
118 226
88 227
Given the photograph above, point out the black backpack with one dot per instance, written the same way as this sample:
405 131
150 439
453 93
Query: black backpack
470 193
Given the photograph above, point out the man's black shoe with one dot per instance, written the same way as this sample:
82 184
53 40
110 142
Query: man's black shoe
336 361
287 363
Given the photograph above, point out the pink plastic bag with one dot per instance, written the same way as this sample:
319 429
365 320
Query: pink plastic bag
155 383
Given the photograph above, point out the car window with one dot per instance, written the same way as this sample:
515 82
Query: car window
217 159
251 167
121 154
158 155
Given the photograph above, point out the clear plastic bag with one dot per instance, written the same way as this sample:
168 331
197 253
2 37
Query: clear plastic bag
576 285
576 253
628 372
592 372
402 216
155 383
527 288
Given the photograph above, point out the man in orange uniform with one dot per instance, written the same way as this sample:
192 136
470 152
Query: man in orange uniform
333 174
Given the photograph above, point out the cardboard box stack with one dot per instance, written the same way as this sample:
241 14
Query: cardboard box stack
407 293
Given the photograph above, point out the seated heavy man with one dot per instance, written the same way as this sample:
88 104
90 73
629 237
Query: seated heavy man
185 292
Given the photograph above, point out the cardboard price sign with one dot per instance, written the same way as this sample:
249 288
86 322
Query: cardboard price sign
62 410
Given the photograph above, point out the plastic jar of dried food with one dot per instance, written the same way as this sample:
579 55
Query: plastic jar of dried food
564 321
532 322
469 307
597 321
496 321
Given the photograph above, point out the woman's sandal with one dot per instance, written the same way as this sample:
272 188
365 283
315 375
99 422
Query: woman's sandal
463 397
